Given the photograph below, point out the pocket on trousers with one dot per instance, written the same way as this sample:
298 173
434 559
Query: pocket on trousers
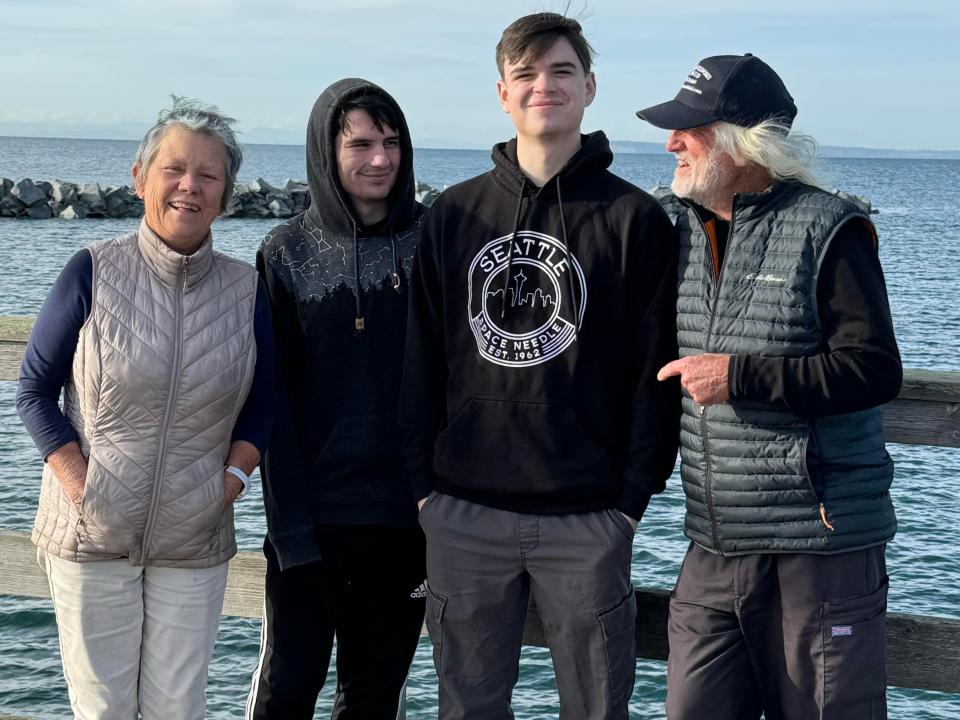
618 625
426 503
854 656
436 603
622 523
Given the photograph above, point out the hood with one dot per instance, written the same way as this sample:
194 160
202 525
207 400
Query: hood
330 205
594 154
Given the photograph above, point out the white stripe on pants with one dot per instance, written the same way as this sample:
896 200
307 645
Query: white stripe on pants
135 638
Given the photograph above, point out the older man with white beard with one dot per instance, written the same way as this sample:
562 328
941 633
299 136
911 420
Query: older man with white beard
787 353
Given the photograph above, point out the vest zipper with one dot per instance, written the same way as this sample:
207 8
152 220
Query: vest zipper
168 412
823 517
707 474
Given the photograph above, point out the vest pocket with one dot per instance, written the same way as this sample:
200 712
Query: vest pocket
853 633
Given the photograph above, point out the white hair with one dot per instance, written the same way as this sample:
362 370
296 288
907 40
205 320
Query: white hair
197 117
784 154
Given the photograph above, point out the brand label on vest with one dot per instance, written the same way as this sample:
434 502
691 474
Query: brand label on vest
766 278
535 301
841 630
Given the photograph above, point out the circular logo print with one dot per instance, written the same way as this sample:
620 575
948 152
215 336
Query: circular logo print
521 312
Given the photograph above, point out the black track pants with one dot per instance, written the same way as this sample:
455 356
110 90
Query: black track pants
368 590
792 636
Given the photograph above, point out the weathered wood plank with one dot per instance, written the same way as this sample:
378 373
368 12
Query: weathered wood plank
922 652
19 572
922 422
936 385
15 329
14 332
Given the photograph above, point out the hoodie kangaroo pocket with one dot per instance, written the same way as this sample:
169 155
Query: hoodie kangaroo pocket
520 447
358 442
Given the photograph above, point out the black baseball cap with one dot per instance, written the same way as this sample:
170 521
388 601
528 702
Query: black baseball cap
738 89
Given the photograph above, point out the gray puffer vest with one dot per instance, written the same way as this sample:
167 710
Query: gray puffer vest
758 478
161 371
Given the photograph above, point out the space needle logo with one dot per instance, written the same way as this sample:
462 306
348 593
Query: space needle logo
535 304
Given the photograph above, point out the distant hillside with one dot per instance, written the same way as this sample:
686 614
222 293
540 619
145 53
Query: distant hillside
833 151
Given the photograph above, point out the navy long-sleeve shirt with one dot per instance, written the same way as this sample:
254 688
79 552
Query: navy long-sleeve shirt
53 342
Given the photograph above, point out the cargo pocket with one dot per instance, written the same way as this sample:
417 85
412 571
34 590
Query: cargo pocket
854 657
618 625
436 603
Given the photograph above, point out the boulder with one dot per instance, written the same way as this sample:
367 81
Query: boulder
234 205
11 206
280 209
300 200
73 212
92 196
862 203
29 193
293 185
5 187
262 187
40 211
425 194
118 201
64 193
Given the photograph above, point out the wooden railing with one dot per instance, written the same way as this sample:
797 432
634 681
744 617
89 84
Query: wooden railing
922 652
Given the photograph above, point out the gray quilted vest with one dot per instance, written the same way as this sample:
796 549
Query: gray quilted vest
758 478
161 371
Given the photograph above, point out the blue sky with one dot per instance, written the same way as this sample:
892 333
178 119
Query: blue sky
873 74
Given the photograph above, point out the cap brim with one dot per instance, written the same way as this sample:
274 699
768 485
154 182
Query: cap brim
674 115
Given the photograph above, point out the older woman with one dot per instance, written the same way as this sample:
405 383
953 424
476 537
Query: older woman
164 351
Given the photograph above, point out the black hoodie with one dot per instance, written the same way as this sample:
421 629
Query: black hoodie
334 458
538 320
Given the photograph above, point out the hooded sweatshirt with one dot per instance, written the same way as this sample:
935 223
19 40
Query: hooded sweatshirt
334 458
538 320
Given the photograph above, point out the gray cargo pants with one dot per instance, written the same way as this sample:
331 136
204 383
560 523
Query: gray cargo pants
483 565
794 636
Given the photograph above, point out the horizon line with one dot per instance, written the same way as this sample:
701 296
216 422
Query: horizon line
479 149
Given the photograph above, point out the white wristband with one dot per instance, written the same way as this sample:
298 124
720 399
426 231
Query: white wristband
241 476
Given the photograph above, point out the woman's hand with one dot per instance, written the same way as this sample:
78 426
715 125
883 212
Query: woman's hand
245 456
232 487
70 467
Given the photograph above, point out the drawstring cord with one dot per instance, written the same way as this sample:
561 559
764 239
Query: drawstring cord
571 287
358 323
396 264
513 240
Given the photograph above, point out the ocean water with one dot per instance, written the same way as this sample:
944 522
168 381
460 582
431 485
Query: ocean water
917 220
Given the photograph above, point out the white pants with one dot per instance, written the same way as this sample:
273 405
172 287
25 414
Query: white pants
135 638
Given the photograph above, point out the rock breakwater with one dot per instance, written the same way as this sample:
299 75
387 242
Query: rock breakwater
41 200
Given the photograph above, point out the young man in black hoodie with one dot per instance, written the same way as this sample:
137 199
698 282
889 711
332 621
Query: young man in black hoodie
542 305
344 553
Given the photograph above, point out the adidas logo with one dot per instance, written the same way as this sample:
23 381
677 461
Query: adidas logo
420 592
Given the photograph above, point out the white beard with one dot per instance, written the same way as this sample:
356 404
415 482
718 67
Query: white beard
705 180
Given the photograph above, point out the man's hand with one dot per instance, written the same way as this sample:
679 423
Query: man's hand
232 487
703 376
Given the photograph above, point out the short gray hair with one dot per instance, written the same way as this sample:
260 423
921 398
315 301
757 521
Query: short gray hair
784 154
194 115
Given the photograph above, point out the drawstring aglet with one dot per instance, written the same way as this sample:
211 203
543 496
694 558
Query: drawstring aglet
359 325
396 282
823 518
